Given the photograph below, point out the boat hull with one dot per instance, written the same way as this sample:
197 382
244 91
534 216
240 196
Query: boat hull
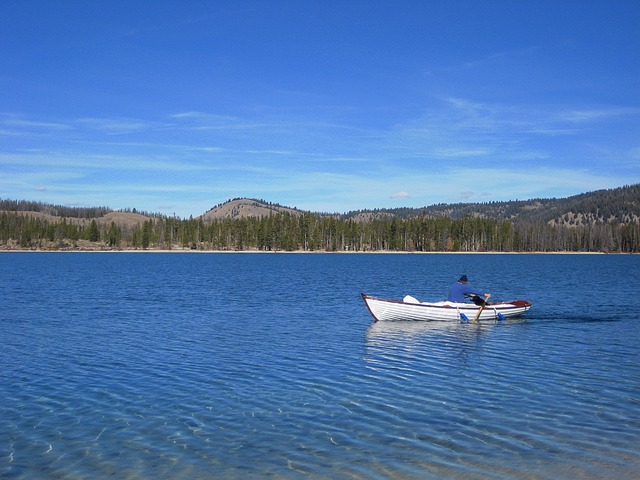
382 309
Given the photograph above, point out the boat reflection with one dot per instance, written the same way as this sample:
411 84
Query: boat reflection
407 330
402 340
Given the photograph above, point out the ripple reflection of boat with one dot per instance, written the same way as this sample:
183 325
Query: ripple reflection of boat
405 344
405 333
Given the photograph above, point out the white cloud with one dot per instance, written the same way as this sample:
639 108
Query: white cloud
400 195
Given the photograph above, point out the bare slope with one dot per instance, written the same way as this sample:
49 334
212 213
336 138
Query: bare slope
246 207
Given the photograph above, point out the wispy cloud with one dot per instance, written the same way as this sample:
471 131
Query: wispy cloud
461 152
84 161
400 195
202 116
466 195
458 150
29 124
581 116
15 126
118 126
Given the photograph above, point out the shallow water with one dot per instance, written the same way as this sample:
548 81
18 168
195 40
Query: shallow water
157 365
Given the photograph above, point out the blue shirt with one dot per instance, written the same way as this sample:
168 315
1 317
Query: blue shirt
459 290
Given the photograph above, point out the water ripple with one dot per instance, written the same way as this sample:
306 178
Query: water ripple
239 376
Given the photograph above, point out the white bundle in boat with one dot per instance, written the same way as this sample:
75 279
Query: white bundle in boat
410 299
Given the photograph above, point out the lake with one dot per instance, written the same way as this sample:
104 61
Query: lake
247 366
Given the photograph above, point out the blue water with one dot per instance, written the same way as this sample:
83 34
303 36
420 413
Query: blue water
194 366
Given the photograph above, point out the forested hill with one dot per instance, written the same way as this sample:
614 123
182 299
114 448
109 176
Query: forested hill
618 205
602 221
53 210
64 211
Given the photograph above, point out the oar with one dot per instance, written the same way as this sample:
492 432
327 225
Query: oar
475 319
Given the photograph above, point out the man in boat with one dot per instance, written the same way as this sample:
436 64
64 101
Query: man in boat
461 290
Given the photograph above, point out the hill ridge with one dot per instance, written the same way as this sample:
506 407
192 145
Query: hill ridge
621 205
618 205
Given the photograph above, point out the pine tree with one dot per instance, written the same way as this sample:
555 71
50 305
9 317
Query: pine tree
93 234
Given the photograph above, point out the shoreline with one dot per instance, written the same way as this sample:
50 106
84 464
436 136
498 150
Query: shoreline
300 252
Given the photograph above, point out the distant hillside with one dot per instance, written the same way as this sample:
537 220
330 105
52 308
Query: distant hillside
75 215
53 210
620 205
247 207
121 219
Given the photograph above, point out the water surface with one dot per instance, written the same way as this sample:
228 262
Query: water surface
157 365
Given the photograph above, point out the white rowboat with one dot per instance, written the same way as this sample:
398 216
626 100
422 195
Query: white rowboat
411 309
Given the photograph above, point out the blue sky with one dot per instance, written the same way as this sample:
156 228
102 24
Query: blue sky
331 106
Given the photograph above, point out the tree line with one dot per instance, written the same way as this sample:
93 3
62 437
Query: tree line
315 232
